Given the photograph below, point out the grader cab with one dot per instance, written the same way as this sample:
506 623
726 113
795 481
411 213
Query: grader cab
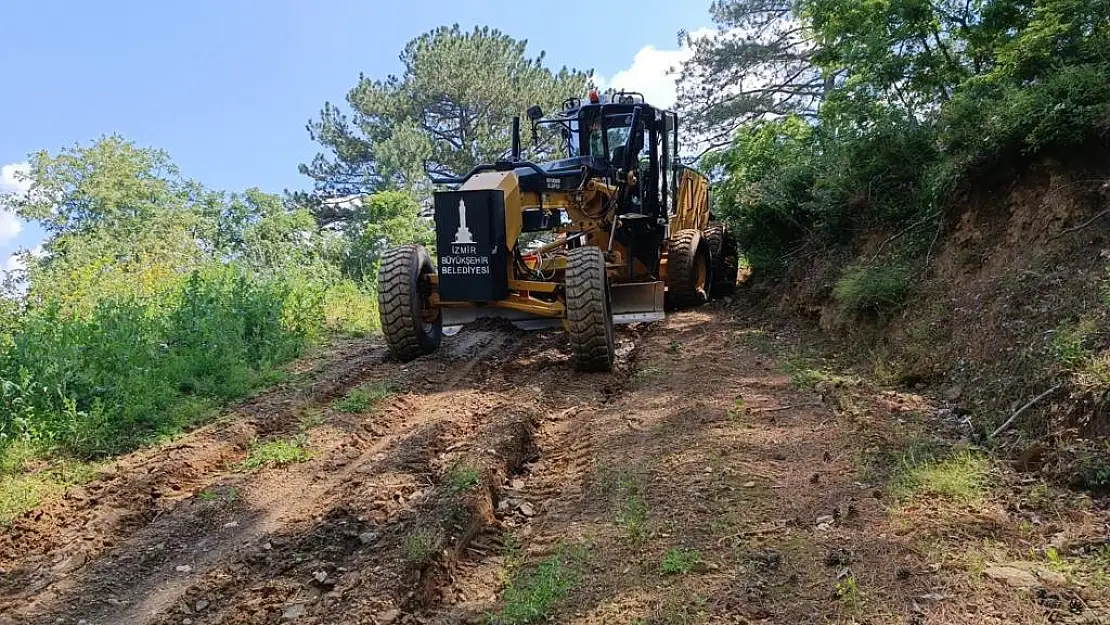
616 231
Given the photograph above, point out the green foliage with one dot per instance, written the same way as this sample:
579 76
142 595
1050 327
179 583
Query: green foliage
155 301
363 398
679 561
275 453
381 221
847 590
451 107
21 491
991 118
351 308
632 512
1093 467
872 288
423 545
754 38
1070 342
530 597
462 478
961 478
738 410
139 367
915 98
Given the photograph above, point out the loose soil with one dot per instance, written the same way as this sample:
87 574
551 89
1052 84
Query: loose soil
493 456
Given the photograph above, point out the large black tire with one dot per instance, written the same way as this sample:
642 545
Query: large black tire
689 272
724 257
410 327
589 317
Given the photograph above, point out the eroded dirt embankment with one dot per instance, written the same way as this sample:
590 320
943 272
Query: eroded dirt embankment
700 483
1007 298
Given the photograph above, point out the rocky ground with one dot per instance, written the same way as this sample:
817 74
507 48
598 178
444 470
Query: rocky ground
719 476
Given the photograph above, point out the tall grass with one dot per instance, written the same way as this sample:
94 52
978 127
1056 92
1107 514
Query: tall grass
138 367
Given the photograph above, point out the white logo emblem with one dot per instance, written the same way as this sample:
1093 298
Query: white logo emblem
462 235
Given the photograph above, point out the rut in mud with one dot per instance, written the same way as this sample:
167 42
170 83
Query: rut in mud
699 483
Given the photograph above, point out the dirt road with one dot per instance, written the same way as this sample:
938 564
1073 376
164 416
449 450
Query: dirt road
699 483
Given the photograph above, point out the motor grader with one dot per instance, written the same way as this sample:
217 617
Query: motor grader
615 231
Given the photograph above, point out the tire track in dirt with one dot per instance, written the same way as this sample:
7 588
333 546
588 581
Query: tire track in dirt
708 448
137 576
660 461
656 457
62 535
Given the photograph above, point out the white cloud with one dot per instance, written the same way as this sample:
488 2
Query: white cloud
18 260
653 72
13 178
15 263
10 226
12 181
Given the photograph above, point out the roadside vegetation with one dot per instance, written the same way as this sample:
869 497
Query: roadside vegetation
154 300
881 113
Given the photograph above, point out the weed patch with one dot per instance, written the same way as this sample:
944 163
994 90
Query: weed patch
738 410
679 561
847 590
276 453
423 545
90 379
647 374
872 288
531 596
24 491
632 512
806 378
961 478
462 477
361 399
759 340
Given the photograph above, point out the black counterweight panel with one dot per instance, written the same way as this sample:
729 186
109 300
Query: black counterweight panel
470 241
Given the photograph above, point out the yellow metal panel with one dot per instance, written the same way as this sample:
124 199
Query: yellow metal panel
693 202
533 306
532 286
508 183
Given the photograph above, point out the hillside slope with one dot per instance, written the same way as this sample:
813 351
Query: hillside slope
1008 298
698 484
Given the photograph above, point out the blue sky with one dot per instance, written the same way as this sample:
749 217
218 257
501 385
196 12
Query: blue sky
226 86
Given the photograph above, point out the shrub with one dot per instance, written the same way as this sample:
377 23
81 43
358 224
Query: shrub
140 366
872 288
351 308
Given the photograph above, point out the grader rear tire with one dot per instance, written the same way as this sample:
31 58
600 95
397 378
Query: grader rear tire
410 326
589 317
689 273
724 257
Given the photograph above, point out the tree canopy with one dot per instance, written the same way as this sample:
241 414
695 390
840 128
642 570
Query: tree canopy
828 117
450 108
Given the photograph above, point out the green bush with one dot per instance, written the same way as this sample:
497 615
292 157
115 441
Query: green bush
872 288
990 118
138 367
786 181
351 308
900 127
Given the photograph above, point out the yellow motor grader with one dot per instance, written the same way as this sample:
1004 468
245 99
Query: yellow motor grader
617 231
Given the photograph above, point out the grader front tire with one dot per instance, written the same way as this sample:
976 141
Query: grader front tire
589 317
410 326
